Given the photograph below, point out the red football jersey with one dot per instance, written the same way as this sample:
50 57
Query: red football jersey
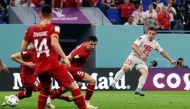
126 10
79 57
40 36
57 3
28 56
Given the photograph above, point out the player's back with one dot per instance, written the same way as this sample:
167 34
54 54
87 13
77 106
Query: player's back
40 36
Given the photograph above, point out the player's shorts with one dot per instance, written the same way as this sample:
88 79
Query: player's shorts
77 74
133 60
27 79
60 74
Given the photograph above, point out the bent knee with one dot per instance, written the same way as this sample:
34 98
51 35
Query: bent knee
72 86
92 81
143 71
125 68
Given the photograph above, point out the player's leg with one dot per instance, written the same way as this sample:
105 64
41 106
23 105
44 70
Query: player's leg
76 96
22 94
142 68
56 93
66 80
4 102
128 65
28 86
119 75
45 81
66 98
90 88
25 94
86 78
37 86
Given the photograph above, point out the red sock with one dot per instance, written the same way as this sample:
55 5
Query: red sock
89 91
56 93
66 98
78 98
21 95
42 99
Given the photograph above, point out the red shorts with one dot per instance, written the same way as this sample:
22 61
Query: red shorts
27 79
60 74
77 74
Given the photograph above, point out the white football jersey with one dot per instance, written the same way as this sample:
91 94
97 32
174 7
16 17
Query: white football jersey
147 46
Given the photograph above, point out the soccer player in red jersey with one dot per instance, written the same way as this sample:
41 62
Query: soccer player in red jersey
45 38
78 58
28 77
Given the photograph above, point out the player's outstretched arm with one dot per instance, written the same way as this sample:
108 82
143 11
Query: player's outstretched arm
18 58
165 54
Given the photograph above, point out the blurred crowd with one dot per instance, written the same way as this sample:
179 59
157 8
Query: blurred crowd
5 4
161 14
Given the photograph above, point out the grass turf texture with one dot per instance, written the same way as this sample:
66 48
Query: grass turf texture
117 100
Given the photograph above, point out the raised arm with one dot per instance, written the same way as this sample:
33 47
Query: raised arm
165 55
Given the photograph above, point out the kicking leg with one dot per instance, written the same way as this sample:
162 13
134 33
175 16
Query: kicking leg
142 81
119 75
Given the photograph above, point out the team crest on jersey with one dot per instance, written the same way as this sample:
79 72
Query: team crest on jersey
57 29
76 57
24 52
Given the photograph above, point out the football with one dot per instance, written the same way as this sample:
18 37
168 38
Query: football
12 100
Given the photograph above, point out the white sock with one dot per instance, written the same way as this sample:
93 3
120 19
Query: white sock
118 76
142 81
87 102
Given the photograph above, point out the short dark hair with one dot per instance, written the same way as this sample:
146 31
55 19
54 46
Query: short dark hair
152 28
93 38
180 59
154 63
46 11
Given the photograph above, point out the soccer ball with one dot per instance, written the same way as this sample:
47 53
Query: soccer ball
12 100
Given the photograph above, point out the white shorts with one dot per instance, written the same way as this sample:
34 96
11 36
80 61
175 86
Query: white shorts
133 60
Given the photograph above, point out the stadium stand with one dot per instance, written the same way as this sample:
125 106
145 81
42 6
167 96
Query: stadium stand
25 15
99 16
146 3
22 15
95 16
113 16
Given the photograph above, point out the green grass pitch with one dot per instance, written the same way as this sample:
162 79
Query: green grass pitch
118 100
